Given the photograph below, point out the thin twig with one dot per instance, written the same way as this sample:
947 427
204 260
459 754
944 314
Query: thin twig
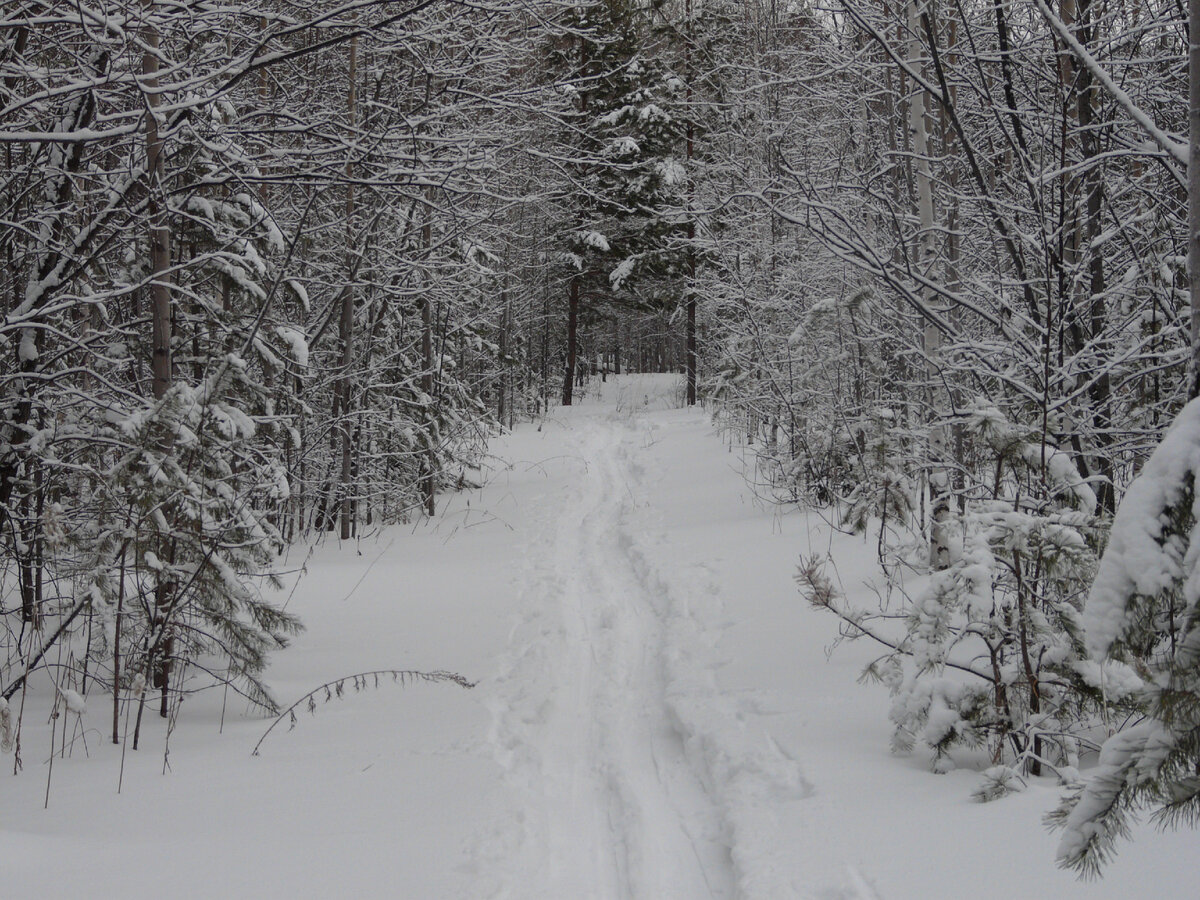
337 685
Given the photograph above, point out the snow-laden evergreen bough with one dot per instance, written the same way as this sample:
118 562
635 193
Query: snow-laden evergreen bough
1143 611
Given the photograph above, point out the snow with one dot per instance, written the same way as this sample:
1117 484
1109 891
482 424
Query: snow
623 270
672 172
1147 741
653 113
27 348
595 240
622 147
74 702
297 344
614 118
656 716
1117 680
301 293
1136 560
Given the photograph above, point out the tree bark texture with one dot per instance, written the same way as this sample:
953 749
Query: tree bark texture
572 341
1193 176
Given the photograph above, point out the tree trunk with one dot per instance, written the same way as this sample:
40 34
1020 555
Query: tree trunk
160 308
502 386
160 233
572 341
1193 242
346 322
691 222
428 462
1085 196
939 482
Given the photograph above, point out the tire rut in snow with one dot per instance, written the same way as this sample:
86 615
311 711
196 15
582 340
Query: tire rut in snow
748 774
582 723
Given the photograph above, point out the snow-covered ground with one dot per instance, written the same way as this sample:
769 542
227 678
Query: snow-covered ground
656 717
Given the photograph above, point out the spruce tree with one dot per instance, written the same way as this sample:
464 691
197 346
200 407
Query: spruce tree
626 218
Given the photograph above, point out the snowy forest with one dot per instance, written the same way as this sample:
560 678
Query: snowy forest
588 393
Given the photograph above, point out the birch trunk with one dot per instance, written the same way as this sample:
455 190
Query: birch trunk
939 482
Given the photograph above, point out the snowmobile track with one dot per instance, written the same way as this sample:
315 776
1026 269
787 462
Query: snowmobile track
613 807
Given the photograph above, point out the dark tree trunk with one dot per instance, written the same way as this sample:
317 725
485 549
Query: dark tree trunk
691 225
346 325
572 341
428 491
502 386
160 314
1087 100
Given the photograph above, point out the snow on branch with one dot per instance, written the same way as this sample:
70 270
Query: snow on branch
1143 557
1176 149
362 680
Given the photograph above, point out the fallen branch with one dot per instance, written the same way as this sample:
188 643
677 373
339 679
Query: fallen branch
337 688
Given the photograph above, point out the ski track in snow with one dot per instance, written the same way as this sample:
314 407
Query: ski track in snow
635 778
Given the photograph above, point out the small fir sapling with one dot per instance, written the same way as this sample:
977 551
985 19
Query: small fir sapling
882 491
198 536
991 655
883 497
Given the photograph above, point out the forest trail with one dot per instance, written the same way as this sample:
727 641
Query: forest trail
656 715
634 777
616 809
